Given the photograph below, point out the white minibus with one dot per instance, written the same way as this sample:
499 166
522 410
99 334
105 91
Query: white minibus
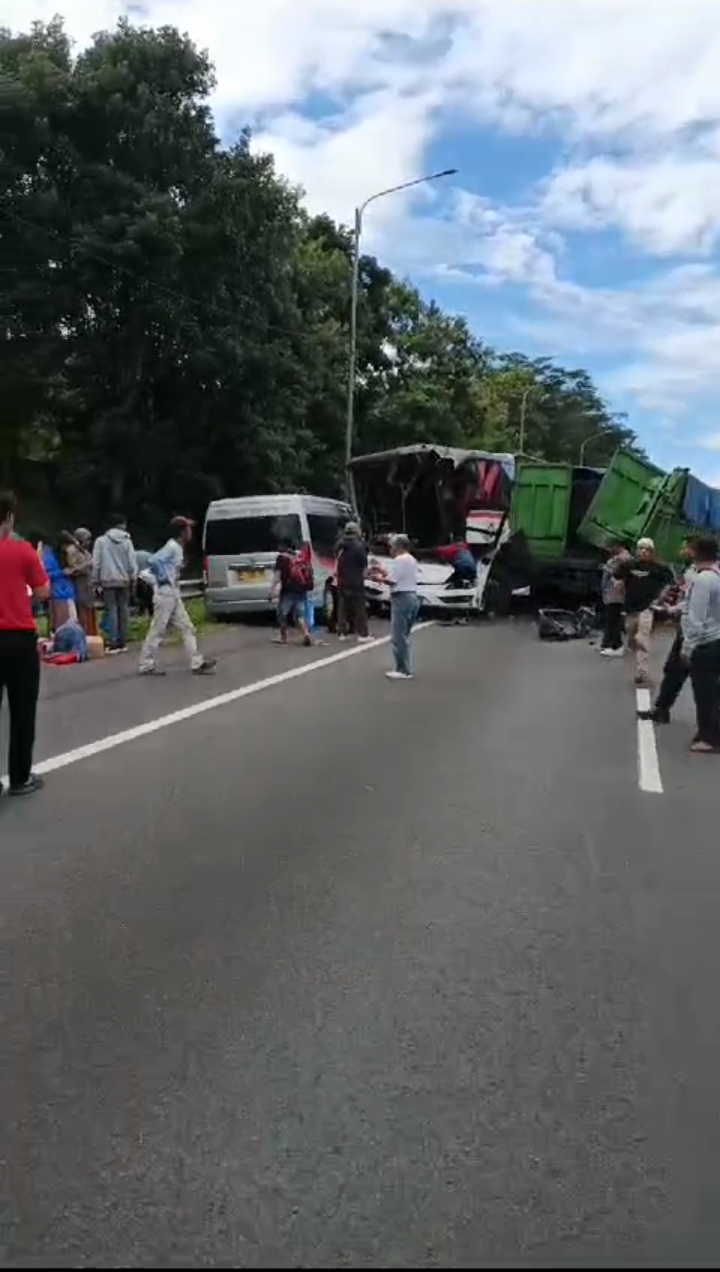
242 538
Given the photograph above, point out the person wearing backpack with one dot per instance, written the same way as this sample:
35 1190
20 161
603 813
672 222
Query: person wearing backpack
169 608
292 584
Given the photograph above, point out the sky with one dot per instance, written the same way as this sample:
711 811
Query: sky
584 220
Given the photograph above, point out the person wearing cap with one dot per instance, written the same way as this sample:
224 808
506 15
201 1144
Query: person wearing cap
169 609
645 579
79 567
352 560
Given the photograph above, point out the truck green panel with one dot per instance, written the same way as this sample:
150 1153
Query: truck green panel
664 523
540 508
625 500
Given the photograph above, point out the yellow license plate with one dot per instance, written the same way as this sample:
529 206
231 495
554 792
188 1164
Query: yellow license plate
249 576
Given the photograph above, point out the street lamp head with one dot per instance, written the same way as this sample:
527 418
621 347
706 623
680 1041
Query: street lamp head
448 172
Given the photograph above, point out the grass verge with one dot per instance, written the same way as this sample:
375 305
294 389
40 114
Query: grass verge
139 626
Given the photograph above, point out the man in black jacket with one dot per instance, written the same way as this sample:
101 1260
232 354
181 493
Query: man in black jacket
645 578
352 562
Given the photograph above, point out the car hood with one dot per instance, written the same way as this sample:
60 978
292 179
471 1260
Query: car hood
429 572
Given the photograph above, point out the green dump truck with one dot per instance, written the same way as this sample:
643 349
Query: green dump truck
563 519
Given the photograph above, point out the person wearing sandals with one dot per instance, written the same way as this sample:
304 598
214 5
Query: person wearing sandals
701 645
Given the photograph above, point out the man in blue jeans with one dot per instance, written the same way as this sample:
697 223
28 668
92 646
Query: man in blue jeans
404 605
292 584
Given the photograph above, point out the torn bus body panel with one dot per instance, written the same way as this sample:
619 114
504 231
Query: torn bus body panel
435 495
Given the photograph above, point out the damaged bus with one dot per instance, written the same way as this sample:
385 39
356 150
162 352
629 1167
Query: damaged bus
437 496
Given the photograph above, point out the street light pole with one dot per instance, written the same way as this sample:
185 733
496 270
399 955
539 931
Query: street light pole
354 290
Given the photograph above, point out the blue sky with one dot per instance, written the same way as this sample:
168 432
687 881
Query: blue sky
584 222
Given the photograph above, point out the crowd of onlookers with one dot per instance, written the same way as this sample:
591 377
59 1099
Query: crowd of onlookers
638 590
93 583
87 588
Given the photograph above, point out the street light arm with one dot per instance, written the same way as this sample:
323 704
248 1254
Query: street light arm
405 185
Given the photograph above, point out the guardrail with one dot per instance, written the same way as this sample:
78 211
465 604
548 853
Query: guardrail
190 588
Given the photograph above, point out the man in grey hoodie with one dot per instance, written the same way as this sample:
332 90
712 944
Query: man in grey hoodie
701 644
115 571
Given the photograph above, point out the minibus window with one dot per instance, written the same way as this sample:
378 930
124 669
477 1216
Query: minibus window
243 536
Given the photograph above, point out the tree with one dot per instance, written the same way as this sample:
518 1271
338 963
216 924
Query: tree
176 326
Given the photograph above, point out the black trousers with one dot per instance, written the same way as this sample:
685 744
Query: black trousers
675 673
352 616
612 637
705 680
20 676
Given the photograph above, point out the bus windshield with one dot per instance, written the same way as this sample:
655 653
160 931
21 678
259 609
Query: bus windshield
433 495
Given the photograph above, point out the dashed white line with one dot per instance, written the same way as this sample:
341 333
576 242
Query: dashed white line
209 704
649 776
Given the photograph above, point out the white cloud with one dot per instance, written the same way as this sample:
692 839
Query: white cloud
380 142
632 91
666 205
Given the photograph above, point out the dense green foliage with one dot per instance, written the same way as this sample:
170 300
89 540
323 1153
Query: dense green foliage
176 326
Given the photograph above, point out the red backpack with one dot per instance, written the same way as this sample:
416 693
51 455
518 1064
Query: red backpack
300 574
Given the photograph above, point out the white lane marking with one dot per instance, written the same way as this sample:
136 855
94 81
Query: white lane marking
649 777
210 704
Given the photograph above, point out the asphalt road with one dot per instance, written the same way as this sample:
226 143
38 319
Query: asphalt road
353 973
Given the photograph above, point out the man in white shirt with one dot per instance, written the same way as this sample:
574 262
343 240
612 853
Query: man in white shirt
404 605
169 609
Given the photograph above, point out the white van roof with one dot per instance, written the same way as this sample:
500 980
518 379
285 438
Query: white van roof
263 505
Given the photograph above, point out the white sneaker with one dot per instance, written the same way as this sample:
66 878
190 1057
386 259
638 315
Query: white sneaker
398 675
342 638
363 640
612 653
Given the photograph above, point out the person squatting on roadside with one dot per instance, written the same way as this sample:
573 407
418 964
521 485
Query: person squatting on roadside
645 578
676 670
404 606
23 585
352 560
700 625
613 599
169 609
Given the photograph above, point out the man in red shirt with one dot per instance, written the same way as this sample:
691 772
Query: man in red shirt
22 581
